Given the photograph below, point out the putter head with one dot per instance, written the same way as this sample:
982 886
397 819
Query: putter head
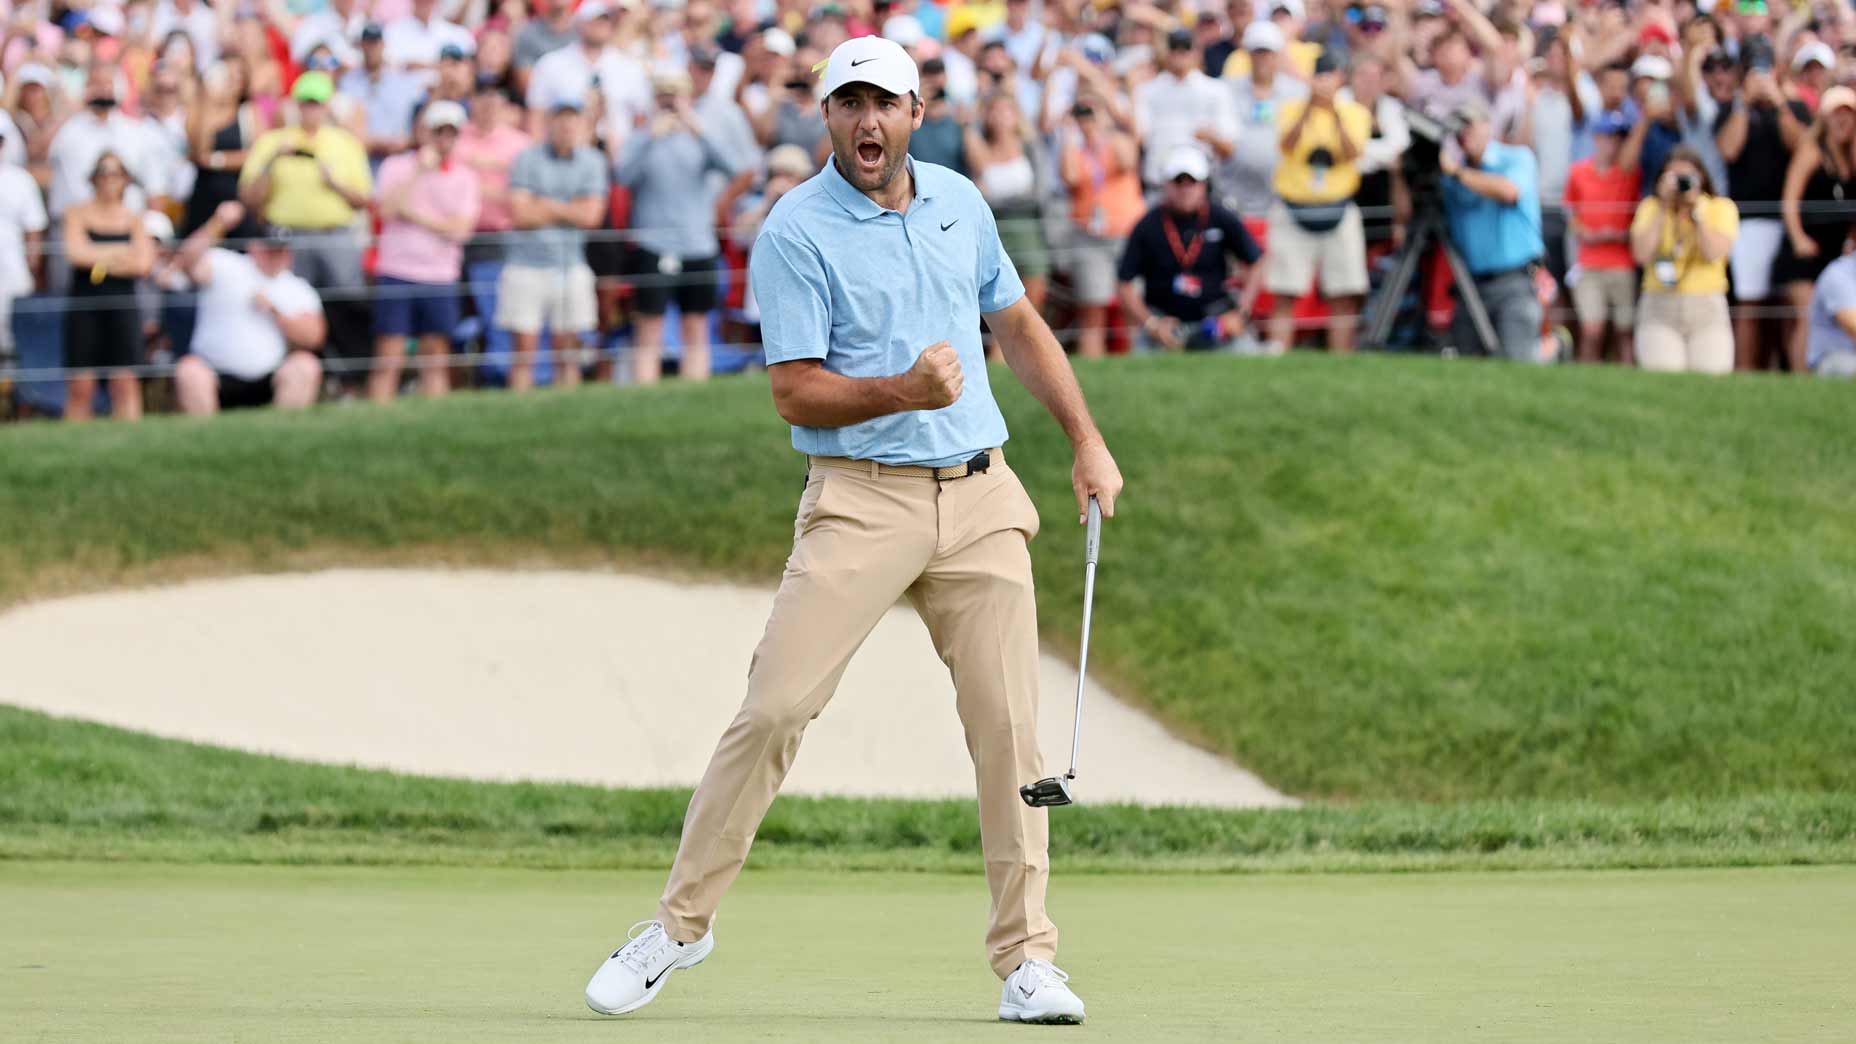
1046 792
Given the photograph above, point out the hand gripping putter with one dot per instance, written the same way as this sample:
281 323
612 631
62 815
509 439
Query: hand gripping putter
1056 790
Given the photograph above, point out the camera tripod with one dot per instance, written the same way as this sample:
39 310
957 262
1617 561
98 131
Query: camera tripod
1426 228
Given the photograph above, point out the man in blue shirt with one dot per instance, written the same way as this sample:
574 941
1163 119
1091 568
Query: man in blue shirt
1831 348
873 277
1492 208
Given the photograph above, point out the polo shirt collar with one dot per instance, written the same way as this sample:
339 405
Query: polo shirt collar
860 206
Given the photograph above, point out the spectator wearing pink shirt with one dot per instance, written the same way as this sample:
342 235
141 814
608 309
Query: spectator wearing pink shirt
487 147
428 205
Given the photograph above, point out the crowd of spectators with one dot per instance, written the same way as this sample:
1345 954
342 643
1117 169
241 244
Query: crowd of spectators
276 201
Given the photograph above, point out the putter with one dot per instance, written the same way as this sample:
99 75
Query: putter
1056 790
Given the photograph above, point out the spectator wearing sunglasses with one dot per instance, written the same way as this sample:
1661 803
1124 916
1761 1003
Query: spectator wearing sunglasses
1179 253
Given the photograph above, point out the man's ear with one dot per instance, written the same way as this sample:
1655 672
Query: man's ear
917 110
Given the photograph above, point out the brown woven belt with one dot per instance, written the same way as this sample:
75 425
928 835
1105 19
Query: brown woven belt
976 466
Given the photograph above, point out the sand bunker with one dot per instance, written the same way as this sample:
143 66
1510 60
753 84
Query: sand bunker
589 677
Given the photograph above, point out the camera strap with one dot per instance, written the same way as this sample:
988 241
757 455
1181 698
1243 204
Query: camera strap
1186 253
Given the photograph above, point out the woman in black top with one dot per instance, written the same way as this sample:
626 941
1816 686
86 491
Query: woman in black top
108 249
1818 203
220 130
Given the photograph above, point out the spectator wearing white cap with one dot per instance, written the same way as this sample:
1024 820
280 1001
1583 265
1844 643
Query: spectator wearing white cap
1179 253
1289 17
413 42
667 164
428 207
1316 227
335 26
1245 184
591 63
1811 68
1182 106
1667 119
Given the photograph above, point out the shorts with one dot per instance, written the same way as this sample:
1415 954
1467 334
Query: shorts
101 333
656 282
404 308
237 393
1093 266
1754 251
1295 254
1606 293
561 299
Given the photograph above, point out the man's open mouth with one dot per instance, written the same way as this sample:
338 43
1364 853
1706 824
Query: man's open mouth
870 154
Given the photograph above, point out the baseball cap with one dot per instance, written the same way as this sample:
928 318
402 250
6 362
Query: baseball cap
106 20
670 81
160 227
1292 8
313 86
779 42
1653 66
566 103
1097 48
875 61
372 33
703 55
1262 36
1718 59
33 72
451 53
1179 40
1612 121
1838 97
442 113
791 160
1815 51
1327 62
961 21
1656 31
904 29
592 9
1186 160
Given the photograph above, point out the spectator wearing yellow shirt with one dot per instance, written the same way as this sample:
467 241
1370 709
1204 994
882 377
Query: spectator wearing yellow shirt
312 180
1316 225
1681 237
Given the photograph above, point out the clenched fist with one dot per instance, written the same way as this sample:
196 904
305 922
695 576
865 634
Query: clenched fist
935 380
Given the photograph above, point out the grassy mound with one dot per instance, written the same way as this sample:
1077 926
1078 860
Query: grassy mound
77 790
1371 578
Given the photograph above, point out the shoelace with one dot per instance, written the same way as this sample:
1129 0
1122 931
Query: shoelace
1043 973
645 939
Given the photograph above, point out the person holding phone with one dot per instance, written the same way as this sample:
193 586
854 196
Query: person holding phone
1681 236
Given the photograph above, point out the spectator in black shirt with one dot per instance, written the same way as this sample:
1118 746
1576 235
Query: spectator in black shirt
1179 251
1756 135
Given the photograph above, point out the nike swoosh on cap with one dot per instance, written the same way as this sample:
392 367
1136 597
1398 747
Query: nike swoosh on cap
861 61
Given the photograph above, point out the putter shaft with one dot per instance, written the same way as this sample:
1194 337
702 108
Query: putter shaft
1091 546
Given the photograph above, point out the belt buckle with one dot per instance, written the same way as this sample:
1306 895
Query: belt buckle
980 462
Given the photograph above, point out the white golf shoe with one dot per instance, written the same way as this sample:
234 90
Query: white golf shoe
1039 991
633 975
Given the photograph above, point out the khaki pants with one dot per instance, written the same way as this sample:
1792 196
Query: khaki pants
862 540
1692 332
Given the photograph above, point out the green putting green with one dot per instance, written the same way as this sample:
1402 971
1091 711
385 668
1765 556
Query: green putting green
152 952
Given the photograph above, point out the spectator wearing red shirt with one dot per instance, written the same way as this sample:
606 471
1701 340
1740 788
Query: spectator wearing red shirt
1601 198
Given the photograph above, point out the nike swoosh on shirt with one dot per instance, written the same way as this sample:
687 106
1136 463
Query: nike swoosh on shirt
950 224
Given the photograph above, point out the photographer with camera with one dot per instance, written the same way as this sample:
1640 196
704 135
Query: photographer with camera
1681 237
1316 225
1492 209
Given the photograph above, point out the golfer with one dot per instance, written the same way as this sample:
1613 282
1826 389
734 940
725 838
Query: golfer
873 276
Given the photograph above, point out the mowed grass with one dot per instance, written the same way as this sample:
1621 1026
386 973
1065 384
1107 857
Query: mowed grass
1375 578
73 790
134 952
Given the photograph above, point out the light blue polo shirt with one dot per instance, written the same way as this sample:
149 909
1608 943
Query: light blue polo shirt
840 278
1495 237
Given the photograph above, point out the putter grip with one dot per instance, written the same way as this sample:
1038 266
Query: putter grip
1094 540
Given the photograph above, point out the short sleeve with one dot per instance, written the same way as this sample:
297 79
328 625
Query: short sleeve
1359 123
523 173
1572 193
294 296
1836 288
1723 216
395 170
994 273
1286 115
1238 241
789 282
1646 215
592 175
1133 263
32 205
261 152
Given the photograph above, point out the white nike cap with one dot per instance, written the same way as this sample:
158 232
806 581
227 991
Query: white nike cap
873 60
1188 160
